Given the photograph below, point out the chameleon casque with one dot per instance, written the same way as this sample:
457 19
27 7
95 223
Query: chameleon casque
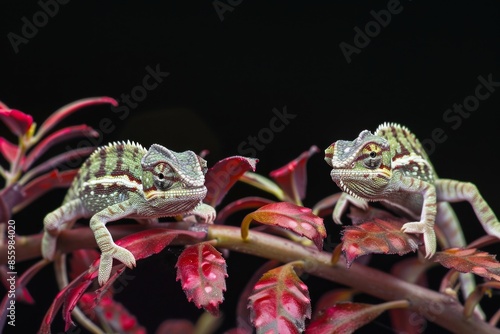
124 180
391 166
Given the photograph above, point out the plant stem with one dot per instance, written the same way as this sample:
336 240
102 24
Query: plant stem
436 307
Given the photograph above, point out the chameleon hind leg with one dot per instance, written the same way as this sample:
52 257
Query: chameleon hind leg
457 191
61 218
110 250
449 224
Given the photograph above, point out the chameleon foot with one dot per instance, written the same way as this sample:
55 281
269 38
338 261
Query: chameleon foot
205 212
116 252
429 236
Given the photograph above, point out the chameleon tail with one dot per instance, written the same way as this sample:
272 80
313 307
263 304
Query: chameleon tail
449 224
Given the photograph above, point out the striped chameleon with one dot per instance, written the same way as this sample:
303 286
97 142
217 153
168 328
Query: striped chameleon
391 166
124 180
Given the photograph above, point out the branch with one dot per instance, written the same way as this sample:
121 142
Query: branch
436 307
29 247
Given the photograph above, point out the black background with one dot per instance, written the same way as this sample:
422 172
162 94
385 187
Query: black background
226 76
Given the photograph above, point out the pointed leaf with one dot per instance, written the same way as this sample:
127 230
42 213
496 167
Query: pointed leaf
263 183
68 109
56 138
293 176
251 202
142 244
332 298
202 272
66 157
81 260
470 260
18 122
113 313
223 175
8 150
9 197
22 293
242 311
347 317
43 184
377 236
297 219
280 302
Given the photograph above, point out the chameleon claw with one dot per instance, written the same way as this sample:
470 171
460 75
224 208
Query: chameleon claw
106 263
428 233
416 227
205 212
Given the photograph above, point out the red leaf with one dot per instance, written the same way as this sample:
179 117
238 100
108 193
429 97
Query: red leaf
17 121
8 150
347 317
81 260
331 298
202 272
22 293
45 183
141 244
251 202
52 163
9 197
297 219
242 311
292 177
223 175
149 242
72 296
116 316
470 260
280 302
68 109
377 236
55 138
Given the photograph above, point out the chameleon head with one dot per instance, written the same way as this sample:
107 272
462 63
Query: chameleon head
361 167
176 177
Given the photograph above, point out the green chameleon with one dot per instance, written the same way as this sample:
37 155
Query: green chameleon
124 180
392 167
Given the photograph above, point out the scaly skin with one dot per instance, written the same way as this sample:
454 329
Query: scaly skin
391 167
124 180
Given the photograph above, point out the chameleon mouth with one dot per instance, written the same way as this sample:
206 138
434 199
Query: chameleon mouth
355 183
177 194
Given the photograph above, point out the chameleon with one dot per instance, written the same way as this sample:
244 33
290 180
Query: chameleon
124 180
390 166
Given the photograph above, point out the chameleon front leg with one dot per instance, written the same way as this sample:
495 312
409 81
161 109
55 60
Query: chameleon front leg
110 250
428 215
457 191
55 221
343 203
205 212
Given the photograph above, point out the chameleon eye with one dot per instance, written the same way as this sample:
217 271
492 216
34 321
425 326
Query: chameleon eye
162 182
373 154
